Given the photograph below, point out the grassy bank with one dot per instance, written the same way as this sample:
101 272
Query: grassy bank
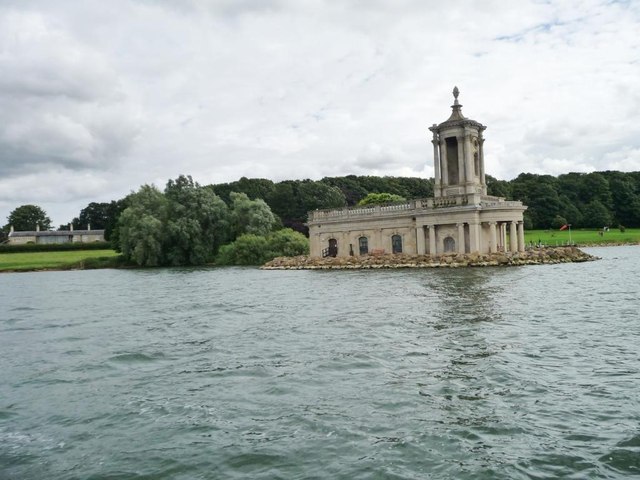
59 260
583 237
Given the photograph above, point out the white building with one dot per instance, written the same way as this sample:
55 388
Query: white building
460 218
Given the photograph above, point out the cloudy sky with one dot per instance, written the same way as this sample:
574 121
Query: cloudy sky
98 97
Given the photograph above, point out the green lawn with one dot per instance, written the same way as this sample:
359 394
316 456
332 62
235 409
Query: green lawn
582 237
58 260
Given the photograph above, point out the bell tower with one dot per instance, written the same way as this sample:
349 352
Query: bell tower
458 154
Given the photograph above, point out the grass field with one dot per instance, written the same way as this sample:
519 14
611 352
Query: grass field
582 237
58 260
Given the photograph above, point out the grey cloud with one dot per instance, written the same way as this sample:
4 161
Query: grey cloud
61 106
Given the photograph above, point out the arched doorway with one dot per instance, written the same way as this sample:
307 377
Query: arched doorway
449 245
333 248
396 244
363 244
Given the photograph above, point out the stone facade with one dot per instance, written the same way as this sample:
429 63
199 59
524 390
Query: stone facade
461 218
54 237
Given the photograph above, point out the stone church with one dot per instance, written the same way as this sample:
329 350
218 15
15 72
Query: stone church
460 218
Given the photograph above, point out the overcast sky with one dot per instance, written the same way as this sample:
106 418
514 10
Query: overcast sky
99 97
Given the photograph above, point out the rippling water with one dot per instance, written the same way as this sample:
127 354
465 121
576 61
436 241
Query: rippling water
528 372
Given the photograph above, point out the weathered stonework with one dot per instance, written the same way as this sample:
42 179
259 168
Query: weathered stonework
461 218
457 260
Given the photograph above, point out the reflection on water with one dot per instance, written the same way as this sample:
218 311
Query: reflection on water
490 373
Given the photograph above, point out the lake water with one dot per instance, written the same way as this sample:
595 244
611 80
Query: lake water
497 373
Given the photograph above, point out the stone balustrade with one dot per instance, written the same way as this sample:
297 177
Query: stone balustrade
417 206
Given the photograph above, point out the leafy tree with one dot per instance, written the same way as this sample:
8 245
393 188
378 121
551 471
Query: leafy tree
250 249
197 222
97 215
287 243
27 218
626 202
596 215
283 200
498 188
141 227
254 188
594 186
250 216
317 195
380 198
558 222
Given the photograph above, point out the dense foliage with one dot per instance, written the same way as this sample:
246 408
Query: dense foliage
380 198
53 247
28 218
250 249
588 200
290 200
188 223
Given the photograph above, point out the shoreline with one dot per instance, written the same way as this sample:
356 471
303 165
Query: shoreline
541 256
411 264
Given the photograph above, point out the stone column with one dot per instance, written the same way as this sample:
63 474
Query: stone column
461 241
462 174
420 246
513 237
443 162
432 240
493 246
474 237
503 236
468 157
436 165
521 236
481 161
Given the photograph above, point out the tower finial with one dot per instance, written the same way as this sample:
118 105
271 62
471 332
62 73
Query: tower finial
456 92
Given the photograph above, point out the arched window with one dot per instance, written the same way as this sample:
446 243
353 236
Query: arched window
363 244
449 245
396 244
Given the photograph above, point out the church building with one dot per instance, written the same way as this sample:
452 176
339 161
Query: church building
460 218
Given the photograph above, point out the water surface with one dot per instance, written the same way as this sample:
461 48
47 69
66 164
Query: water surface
507 373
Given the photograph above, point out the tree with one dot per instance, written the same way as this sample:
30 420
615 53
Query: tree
287 243
95 215
317 195
380 198
626 203
141 227
596 215
28 218
498 188
250 249
197 223
250 216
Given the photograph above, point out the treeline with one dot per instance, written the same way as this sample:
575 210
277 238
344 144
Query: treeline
584 200
189 224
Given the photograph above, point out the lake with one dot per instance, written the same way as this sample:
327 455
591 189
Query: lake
477 373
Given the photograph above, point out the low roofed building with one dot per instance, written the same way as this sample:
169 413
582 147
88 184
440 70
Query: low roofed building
54 237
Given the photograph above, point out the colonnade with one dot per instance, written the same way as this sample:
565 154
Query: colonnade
497 237
467 172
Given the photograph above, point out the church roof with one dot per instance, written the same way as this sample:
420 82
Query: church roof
457 119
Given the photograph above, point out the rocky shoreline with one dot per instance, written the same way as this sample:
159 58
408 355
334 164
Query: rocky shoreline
536 256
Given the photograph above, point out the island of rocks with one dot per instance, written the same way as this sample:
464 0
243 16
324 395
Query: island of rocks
535 256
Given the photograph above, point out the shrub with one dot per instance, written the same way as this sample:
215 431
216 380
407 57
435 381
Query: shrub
54 247
252 249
